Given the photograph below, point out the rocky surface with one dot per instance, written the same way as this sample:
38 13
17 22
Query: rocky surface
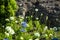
50 8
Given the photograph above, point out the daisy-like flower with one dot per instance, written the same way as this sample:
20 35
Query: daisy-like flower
11 18
37 39
36 9
5 39
24 24
37 34
10 30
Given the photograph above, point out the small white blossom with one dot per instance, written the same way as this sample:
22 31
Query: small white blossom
30 39
16 21
31 16
46 17
55 28
36 9
10 30
37 34
57 19
41 14
37 18
21 38
50 34
51 28
37 39
7 19
11 18
7 34
20 4
45 28
20 16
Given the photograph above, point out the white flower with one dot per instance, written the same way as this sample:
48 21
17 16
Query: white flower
31 16
7 34
46 17
41 14
36 9
37 39
7 19
16 21
20 16
50 34
55 28
37 34
20 4
57 19
51 28
21 19
37 18
21 38
10 30
30 39
45 28
11 18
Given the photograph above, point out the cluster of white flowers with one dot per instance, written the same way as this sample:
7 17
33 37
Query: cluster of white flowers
10 30
37 34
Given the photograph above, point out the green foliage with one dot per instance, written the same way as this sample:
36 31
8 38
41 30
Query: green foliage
7 9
